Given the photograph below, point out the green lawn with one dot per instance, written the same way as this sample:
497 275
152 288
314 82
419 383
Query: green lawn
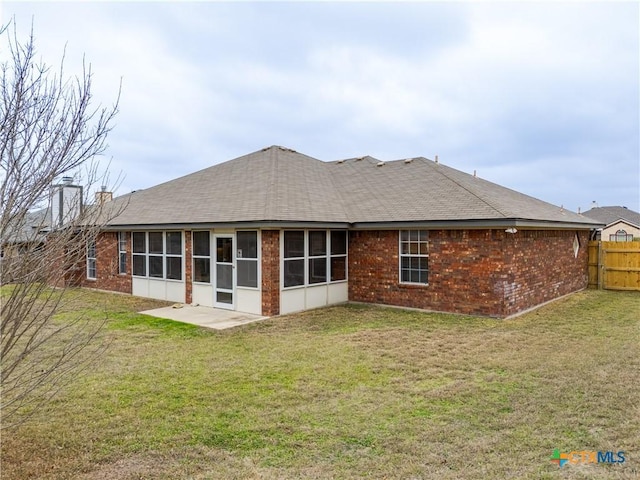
348 392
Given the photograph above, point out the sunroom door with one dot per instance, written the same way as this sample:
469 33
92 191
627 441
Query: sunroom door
224 281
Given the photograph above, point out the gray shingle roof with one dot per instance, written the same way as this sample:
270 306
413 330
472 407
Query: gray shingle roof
277 184
609 215
31 228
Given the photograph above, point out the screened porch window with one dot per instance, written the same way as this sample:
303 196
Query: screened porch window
157 255
293 258
247 259
202 257
314 257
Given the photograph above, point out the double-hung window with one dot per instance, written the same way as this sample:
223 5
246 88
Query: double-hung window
91 260
314 257
414 256
157 255
122 253
202 257
247 259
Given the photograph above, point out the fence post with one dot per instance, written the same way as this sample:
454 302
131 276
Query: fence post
600 265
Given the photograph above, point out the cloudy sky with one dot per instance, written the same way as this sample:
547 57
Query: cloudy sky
539 97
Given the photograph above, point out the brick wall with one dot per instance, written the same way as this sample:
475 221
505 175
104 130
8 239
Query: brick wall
107 258
270 272
544 267
64 260
484 272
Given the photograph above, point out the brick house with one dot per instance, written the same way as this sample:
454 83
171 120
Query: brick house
276 231
621 224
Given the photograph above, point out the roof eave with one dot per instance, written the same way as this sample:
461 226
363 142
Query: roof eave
393 225
252 224
480 224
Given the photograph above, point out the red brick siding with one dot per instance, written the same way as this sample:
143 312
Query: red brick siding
270 272
66 265
107 260
543 267
485 272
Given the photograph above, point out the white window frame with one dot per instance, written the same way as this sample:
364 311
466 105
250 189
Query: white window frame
194 257
135 254
307 257
257 259
402 255
288 259
122 253
167 255
621 235
338 255
310 258
92 267
164 255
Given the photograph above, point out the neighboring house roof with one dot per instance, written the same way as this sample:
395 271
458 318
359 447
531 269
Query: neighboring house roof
33 227
611 215
277 185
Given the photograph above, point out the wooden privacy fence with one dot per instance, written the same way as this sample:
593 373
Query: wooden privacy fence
614 265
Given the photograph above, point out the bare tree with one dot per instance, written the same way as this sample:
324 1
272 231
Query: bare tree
48 129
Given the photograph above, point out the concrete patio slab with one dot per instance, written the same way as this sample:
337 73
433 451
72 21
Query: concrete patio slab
208 317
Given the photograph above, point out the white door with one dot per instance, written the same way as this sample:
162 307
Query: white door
224 272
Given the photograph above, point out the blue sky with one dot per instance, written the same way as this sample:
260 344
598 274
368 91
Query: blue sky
539 97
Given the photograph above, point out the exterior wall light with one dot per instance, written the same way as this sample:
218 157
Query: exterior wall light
511 230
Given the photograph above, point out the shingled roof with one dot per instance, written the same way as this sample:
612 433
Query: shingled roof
278 185
609 215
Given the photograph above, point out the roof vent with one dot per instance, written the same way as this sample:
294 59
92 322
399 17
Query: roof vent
475 174
437 159
360 158
408 160
340 161
379 164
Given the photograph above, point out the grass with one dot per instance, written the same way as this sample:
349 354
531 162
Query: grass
347 392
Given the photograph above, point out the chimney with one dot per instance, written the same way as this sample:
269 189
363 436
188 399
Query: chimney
66 202
103 196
